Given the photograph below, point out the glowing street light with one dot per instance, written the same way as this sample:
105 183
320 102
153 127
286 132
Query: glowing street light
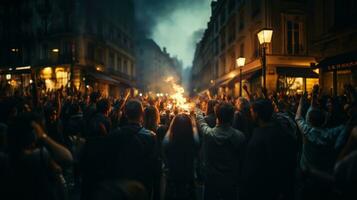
264 37
240 64
55 50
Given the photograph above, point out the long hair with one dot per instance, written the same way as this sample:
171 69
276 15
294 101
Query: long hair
210 107
151 118
181 132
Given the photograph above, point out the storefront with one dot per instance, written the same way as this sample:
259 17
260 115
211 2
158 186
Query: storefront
16 78
338 71
296 80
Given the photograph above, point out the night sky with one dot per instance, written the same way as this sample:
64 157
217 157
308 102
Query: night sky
175 24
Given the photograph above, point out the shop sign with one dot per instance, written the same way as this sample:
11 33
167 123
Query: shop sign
341 66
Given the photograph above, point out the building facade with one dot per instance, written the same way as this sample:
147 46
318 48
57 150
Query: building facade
232 33
62 42
333 42
154 66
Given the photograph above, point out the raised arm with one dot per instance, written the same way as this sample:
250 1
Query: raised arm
314 96
250 97
60 152
303 126
202 124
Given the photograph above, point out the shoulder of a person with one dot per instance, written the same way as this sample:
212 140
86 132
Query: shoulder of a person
238 134
147 132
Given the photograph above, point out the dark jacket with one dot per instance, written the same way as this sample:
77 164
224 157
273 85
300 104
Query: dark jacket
224 151
270 164
243 122
129 153
211 120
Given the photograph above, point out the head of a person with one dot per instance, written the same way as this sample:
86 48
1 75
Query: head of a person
181 130
224 112
94 97
134 111
51 114
242 104
103 106
316 117
75 108
210 106
20 133
151 118
262 110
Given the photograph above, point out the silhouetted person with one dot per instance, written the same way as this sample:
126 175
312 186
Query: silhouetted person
242 119
210 115
270 163
181 147
224 151
129 153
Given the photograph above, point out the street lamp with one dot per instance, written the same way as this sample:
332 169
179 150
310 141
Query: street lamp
264 37
240 64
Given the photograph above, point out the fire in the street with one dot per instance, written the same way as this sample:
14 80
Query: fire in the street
177 96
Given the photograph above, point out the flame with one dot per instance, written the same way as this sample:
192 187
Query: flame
179 101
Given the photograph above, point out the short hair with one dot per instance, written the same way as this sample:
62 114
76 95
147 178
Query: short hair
103 105
316 117
225 112
245 103
134 109
264 109
94 96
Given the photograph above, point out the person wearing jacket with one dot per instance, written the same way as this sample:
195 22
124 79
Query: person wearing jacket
224 153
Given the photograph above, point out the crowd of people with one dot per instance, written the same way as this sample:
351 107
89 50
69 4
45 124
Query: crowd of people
65 145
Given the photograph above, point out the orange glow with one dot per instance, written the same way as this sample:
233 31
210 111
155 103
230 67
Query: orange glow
47 73
178 98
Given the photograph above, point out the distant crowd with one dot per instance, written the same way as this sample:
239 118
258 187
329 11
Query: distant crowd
64 145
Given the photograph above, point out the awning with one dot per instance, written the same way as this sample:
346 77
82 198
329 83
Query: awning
297 72
341 61
224 83
103 78
247 76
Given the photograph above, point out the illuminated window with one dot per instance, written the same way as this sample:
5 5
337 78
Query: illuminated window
61 77
47 73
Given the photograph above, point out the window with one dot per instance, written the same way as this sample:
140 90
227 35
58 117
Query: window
232 31
256 4
125 67
118 66
216 46
233 60
111 60
241 20
100 56
256 46
90 51
231 5
215 25
223 39
223 16
293 37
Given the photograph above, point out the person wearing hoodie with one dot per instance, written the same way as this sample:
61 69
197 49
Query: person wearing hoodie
224 151
270 161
